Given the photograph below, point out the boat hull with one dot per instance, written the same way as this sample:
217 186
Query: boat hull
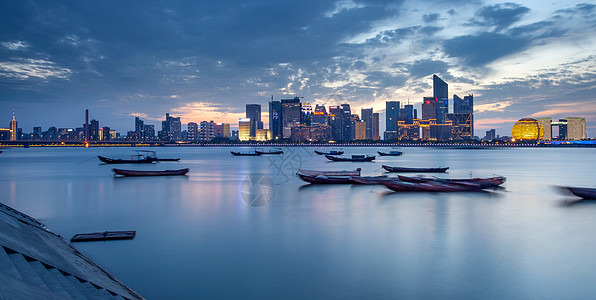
150 173
269 152
415 170
389 153
320 179
490 182
147 160
330 173
329 153
586 193
358 159
245 153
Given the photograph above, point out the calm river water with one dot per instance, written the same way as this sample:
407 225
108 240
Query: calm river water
198 237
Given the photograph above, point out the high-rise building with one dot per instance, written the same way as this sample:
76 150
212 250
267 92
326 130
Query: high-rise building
346 132
391 115
360 130
335 122
320 115
193 132
546 123
409 114
253 112
367 116
275 119
14 128
575 128
375 127
307 114
93 130
490 135
148 132
244 129
171 129
429 108
441 95
207 131
290 112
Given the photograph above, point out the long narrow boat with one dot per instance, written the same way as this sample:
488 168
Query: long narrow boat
330 173
104 236
150 173
357 158
490 182
269 152
322 179
370 180
245 153
331 152
167 159
141 159
390 153
415 170
403 186
586 193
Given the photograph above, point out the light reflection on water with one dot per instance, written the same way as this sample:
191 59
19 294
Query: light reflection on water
196 236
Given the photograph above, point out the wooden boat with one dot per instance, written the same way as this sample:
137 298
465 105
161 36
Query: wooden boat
245 153
586 193
358 158
403 186
279 151
415 170
390 153
369 180
332 152
140 159
490 182
104 236
150 173
322 179
167 159
330 173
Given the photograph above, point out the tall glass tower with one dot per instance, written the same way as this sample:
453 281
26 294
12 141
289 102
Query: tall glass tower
441 94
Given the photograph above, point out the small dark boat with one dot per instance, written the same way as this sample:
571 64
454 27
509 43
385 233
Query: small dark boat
415 170
586 193
370 180
245 153
153 155
140 159
150 173
330 173
332 152
104 236
390 153
490 182
279 151
403 186
358 158
167 159
322 179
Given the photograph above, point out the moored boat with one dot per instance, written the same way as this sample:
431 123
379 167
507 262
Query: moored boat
330 173
245 153
403 186
370 180
586 193
356 158
331 152
140 159
278 151
322 179
390 153
167 159
415 170
150 173
490 182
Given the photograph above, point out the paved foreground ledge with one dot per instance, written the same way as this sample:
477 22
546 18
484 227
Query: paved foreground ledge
38 264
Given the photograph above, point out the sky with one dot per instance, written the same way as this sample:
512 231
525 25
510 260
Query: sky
205 60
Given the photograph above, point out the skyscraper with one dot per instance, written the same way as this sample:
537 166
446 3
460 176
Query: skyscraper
244 129
193 132
391 118
335 122
253 112
441 95
429 108
14 128
275 119
94 130
290 112
375 118
367 116
171 129
462 118
346 123
320 115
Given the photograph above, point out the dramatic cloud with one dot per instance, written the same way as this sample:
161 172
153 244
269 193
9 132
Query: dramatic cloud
122 59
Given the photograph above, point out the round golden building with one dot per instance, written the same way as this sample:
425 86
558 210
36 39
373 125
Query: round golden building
527 129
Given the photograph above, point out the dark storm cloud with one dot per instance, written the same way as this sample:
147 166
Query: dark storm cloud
499 16
481 49
429 18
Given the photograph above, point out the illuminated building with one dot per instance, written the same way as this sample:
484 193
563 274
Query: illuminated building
441 95
335 121
547 124
306 114
304 133
253 112
171 129
263 135
409 131
222 130
244 129
290 113
367 116
207 131
346 132
527 129
193 132
462 118
360 130
429 108
320 115
275 119
93 130
14 128
375 127
391 118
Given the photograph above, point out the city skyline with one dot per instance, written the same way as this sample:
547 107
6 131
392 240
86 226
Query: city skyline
205 61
